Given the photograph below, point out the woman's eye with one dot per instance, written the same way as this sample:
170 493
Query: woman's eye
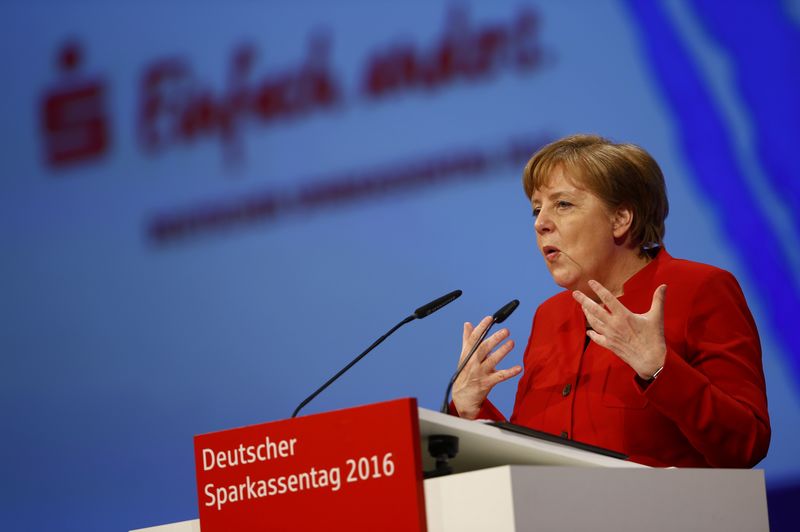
563 204
536 211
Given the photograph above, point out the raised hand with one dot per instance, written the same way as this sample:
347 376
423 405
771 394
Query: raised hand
480 374
638 339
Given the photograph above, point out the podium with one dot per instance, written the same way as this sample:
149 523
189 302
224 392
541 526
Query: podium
504 481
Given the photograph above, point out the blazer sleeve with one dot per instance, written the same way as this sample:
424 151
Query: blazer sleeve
715 393
487 411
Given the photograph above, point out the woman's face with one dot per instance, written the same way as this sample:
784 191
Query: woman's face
575 232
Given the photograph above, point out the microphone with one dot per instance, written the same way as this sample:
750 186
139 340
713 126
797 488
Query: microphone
421 312
498 317
436 304
501 315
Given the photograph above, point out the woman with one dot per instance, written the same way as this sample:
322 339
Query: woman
656 357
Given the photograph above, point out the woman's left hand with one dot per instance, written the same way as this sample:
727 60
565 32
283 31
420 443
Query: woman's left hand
638 339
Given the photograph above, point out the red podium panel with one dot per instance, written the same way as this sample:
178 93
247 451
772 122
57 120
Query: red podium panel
353 469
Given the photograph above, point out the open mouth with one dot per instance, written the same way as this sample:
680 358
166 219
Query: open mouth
550 252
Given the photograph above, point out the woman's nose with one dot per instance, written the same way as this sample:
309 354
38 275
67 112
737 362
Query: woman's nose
543 223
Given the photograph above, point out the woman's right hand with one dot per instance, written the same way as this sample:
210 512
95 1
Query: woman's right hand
480 374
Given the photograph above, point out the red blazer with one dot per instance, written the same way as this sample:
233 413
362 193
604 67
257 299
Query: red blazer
708 406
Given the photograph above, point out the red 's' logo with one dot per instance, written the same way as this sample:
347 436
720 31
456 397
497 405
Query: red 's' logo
73 113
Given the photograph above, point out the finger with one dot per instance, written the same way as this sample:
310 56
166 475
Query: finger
503 375
470 343
607 297
657 306
471 335
599 339
499 354
494 340
605 341
591 310
468 328
490 344
596 324
587 302
478 330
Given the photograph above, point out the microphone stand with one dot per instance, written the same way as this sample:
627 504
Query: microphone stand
351 364
444 447
498 317
421 312
446 404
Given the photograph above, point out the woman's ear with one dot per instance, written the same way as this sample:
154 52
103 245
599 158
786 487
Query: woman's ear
621 221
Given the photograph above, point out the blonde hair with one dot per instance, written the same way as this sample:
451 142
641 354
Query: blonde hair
621 175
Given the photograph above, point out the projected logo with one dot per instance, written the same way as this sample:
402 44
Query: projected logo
179 105
176 107
74 116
